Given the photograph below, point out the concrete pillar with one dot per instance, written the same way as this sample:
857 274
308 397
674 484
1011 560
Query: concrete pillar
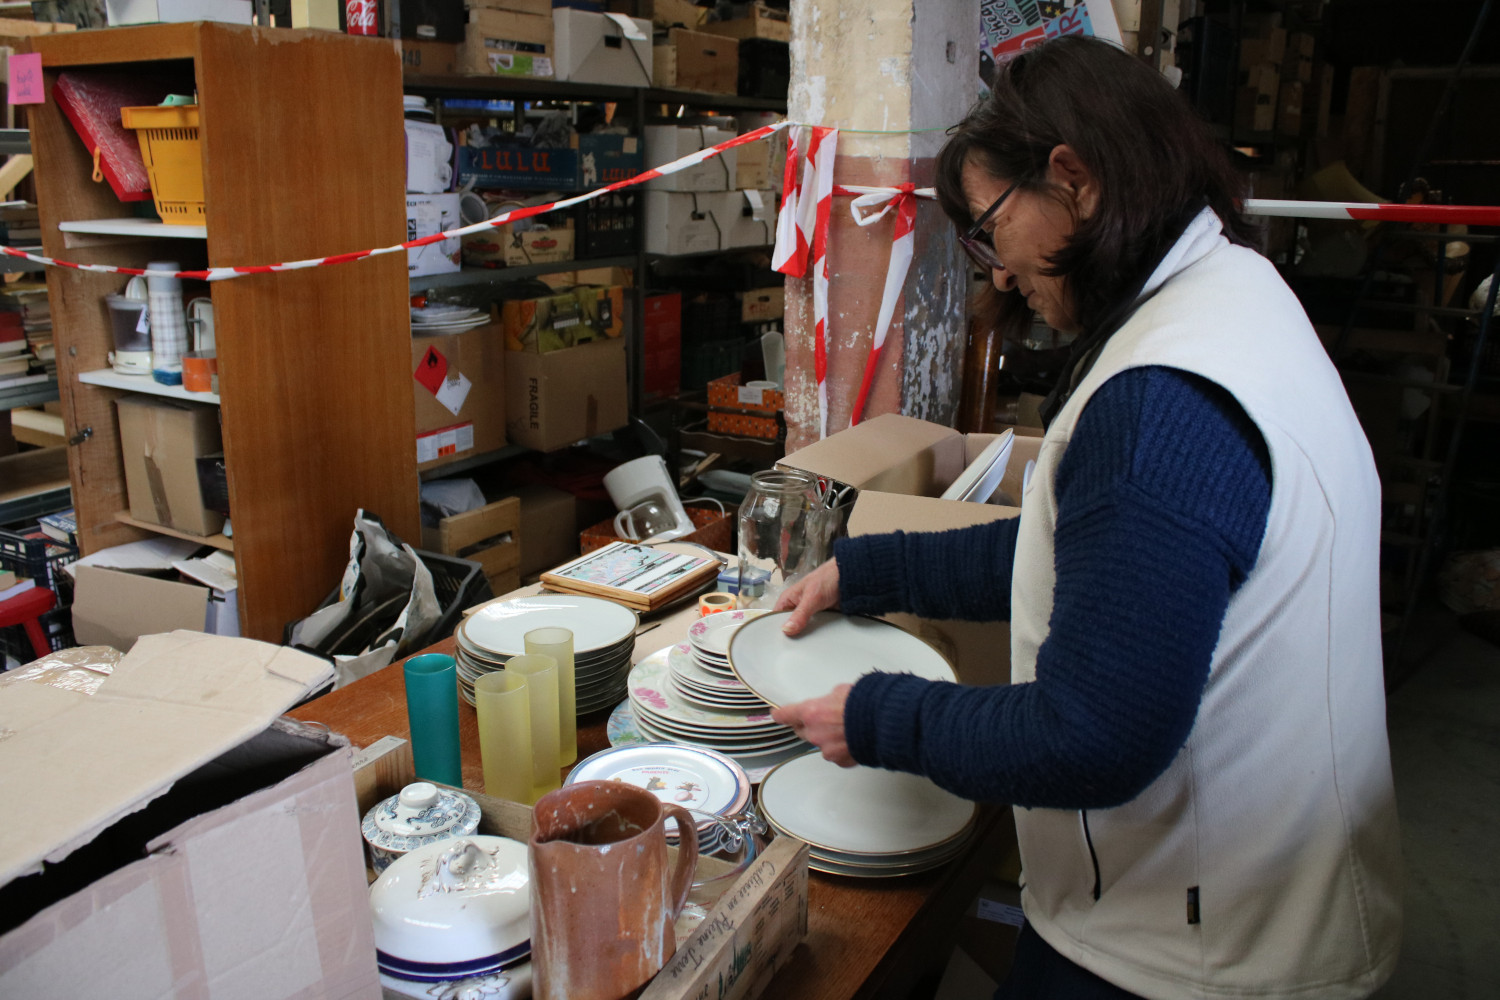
884 65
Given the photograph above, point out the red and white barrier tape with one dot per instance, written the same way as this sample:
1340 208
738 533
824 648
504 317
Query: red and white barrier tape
225 273
1452 215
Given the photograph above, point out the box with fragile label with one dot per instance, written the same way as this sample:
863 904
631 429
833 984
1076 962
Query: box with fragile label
161 441
559 398
665 143
694 60
426 215
458 384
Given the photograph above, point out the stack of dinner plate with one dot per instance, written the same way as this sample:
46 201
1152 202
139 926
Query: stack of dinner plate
603 639
692 777
445 319
864 822
745 733
699 668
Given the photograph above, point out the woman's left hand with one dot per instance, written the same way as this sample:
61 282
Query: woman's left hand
820 721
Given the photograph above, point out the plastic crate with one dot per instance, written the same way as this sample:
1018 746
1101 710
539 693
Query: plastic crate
174 159
36 556
457 583
605 226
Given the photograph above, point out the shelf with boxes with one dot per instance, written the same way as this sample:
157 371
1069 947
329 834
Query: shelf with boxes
306 433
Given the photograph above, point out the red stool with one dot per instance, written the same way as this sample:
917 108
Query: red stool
26 609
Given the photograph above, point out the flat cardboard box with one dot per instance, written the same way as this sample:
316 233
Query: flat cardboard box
112 607
478 425
557 399
592 48
161 441
696 60
900 466
536 8
194 843
549 528
761 22
666 143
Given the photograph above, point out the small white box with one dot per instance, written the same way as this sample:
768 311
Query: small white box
665 143
427 214
601 48
120 12
746 218
680 222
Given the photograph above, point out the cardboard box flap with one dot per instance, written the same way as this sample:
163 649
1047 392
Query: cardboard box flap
891 453
173 703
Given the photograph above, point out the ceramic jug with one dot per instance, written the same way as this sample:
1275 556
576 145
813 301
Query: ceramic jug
605 895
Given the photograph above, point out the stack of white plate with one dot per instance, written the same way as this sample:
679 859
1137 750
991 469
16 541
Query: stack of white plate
662 714
691 777
699 668
603 639
865 822
440 319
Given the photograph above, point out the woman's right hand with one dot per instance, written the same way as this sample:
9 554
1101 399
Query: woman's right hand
817 591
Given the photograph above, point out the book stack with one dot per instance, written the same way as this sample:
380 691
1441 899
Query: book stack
641 577
26 347
20 226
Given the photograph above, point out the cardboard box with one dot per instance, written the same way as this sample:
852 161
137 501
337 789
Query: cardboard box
761 304
589 161
752 167
161 441
432 20
744 412
1289 108
661 13
122 12
490 536
556 399
436 58
1264 78
694 222
695 60
519 244
661 343
218 846
592 48
571 317
536 8
427 214
549 528
1254 110
900 466
507 43
748 934
666 143
458 383
112 607
1271 48
761 22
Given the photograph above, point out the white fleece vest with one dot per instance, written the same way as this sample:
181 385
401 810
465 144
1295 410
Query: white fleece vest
1278 816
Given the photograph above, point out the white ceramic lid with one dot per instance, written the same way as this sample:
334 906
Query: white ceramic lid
460 906
421 814
860 810
595 622
834 649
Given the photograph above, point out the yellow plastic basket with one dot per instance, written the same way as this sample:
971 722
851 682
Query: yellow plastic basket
174 159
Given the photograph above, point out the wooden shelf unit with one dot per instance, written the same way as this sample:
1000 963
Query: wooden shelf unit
302 154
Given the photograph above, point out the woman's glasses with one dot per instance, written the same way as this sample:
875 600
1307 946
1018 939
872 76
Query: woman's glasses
978 243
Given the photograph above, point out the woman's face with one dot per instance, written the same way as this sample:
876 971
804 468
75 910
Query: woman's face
1027 229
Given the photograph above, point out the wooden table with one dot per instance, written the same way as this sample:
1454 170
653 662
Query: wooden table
865 938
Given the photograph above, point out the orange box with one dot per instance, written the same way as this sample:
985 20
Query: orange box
726 391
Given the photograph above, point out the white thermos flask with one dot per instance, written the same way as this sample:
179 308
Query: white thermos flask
169 338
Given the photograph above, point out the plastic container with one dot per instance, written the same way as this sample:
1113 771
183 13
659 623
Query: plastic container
174 159
132 338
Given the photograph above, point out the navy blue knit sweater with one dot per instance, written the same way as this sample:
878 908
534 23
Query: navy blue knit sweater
1162 498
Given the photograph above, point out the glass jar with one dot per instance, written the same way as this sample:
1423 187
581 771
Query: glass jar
783 534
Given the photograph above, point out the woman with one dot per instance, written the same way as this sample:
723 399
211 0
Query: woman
1195 725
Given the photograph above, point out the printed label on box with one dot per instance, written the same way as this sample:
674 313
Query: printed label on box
454 391
751 396
444 441
431 370
1000 913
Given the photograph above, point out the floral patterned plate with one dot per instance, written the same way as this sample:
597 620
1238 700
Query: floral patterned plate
691 777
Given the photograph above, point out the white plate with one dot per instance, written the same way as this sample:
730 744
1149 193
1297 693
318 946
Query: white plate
834 649
732 746
595 622
581 661
686 667
651 691
711 634
688 776
978 481
861 810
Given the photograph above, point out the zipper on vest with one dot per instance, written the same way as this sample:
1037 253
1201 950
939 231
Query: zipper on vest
1088 838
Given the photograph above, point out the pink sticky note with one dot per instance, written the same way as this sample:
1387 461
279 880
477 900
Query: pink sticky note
24 82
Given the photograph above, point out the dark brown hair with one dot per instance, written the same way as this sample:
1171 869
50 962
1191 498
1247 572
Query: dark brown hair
1156 162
